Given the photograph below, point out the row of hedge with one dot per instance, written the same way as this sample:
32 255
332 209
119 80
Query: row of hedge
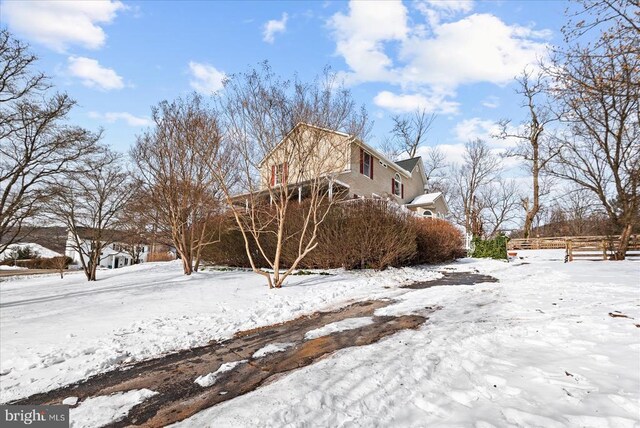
355 235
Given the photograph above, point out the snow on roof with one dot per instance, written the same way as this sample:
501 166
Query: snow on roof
427 198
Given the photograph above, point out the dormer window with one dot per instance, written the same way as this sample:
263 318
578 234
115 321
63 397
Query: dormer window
397 188
366 164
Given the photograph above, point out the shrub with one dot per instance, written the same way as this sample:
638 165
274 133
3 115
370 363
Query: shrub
356 234
495 248
165 256
437 241
364 234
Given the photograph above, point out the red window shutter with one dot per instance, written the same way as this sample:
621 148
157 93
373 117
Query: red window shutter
372 159
273 175
285 172
361 160
402 190
393 186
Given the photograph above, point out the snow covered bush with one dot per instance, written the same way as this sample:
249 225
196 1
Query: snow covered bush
437 241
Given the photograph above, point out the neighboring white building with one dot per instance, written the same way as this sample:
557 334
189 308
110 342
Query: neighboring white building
113 256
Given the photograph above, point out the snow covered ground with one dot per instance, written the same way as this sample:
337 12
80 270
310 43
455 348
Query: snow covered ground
539 348
57 331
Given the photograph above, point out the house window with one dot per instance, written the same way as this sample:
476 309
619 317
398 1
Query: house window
366 164
279 173
397 188
427 213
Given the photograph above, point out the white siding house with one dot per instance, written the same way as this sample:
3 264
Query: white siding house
113 256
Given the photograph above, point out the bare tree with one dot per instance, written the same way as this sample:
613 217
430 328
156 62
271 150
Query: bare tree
88 203
389 147
479 168
534 143
592 15
60 263
174 159
136 221
498 203
410 131
434 167
36 145
283 133
599 88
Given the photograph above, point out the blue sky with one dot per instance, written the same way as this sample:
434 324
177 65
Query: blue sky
456 58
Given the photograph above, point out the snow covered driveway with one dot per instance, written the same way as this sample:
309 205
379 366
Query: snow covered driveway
538 349
551 344
57 331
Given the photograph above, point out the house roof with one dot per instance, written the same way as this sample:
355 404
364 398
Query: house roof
427 198
408 164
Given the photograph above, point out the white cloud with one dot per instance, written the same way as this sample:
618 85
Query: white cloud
360 36
437 10
491 102
410 102
206 78
431 59
93 74
59 24
274 26
487 130
470 129
452 6
453 153
129 118
477 48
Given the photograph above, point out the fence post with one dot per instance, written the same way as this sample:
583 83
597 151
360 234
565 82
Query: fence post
570 249
604 249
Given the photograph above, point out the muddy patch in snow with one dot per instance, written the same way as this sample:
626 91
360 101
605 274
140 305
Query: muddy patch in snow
236 366
453 278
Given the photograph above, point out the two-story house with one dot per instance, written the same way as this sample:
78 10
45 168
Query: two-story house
352 168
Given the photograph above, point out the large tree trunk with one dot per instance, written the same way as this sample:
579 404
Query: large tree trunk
90 269
187 263
621 252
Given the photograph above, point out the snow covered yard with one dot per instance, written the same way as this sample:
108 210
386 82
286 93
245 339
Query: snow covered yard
57 331
539 348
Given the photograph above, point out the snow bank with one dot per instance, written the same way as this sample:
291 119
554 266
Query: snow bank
99 411
334 327
210 379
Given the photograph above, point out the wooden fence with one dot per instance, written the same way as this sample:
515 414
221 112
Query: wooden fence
579 247
601 249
